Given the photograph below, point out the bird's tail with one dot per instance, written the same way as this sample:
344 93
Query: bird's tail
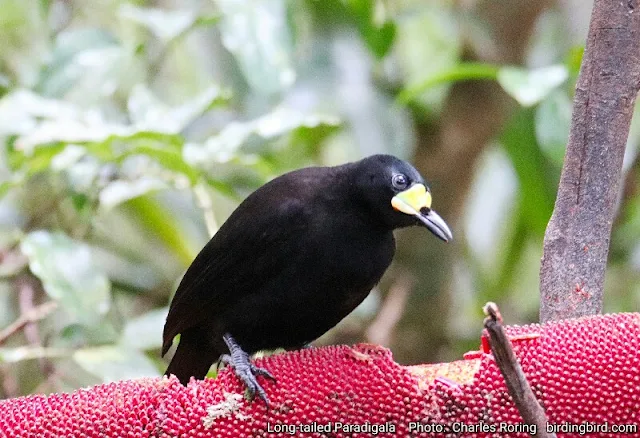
193 357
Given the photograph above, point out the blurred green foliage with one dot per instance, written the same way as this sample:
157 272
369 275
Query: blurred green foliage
130 130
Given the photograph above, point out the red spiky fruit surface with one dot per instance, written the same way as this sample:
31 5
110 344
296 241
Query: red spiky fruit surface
585 372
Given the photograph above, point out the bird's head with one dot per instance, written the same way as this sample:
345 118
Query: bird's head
397 193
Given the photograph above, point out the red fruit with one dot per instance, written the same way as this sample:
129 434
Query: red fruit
585 372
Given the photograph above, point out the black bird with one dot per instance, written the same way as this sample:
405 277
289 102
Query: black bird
296 257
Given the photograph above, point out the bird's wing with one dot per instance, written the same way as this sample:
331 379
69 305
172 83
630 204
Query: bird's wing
257 242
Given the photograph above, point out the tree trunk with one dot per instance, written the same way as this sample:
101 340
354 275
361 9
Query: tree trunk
576 242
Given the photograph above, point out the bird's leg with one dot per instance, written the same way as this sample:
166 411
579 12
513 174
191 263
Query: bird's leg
244 369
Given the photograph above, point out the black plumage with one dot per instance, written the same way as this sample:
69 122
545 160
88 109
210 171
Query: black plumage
297 256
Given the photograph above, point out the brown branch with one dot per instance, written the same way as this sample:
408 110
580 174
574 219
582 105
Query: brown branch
35 314
576 242
25 299
519 389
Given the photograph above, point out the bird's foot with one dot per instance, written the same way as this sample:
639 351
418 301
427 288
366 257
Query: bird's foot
246 371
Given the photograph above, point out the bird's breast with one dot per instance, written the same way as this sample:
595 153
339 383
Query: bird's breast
351 264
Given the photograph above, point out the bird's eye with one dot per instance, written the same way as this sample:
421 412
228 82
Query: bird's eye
400 181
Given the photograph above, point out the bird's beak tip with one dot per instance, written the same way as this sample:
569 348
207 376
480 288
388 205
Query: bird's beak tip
434 223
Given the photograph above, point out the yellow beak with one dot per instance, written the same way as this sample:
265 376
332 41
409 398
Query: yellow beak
412 200
416 201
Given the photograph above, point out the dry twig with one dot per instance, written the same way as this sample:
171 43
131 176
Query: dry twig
519 389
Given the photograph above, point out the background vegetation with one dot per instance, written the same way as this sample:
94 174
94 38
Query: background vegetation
131 130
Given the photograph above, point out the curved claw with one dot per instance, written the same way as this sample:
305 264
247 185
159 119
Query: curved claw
257 371
248 378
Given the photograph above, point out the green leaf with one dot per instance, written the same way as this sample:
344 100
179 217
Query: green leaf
117 192
80 170
164 24
242 155
553 121
96 133
145 108
256 32
25 33
144 332
573 60
377 34
5 83
529 87
428 43
21 111
162 225
168 158
225 146
461 72
537 194
68 275
37 161
380 39
113 362
6 186
79 54
284 120
183 115
149 113
68 157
